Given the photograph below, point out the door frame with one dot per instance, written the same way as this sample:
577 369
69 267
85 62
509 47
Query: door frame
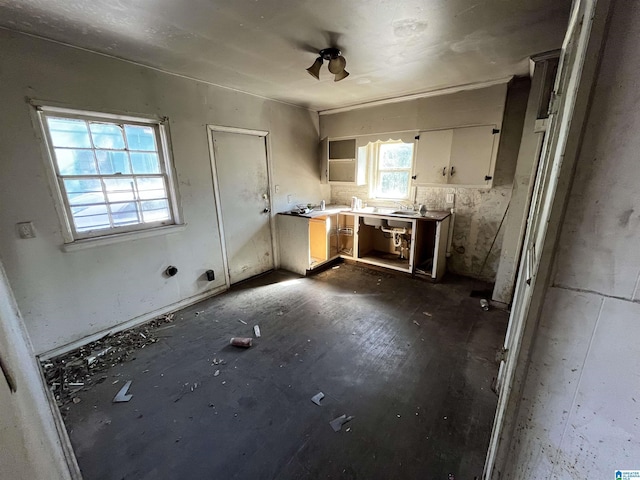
216 191
553 184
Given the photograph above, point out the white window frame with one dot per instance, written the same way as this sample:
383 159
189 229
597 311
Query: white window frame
160 126
373 153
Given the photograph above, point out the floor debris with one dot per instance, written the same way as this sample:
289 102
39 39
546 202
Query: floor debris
94 356
427 314
122 395
241 342
317 397
80 369
416 322
243 322
216 373
337 423
256 331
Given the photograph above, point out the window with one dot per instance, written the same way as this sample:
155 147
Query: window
113 172
392 163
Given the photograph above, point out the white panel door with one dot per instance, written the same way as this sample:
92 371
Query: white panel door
545 211
240 163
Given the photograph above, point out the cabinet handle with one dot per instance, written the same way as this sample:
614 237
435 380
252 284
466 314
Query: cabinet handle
444 171
453 171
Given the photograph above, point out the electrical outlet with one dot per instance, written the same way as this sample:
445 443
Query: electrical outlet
451 197
25 230
289 198
277 188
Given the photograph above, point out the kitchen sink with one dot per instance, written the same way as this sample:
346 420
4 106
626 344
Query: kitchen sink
406 213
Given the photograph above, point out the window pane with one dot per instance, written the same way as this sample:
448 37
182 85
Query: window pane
150 188
393 184
67 132
85 191
396 155
110 162
120 189
140 138
145 162
124 213
107 135
75 162
91 217
155 211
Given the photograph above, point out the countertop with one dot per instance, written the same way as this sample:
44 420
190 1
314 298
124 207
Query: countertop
432 215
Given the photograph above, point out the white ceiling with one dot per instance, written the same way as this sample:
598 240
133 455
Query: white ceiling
392 47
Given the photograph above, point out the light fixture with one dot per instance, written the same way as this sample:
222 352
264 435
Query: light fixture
336 64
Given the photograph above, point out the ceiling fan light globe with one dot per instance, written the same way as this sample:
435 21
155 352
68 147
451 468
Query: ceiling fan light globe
337 64
341 76
314 70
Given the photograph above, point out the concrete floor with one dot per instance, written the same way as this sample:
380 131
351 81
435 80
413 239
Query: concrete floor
420 393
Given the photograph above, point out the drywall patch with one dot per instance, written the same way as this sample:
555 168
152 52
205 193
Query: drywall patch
474 42
408 27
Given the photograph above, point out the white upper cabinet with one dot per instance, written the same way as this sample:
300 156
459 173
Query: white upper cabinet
433 152
343 162
457 156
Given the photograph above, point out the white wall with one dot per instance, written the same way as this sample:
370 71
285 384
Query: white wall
580 410
29 444
478 211
66 296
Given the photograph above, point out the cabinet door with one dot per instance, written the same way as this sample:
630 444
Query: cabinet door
432 157
323 154
318 240
471 155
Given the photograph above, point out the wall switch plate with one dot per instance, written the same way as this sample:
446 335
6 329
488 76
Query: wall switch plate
25 230
277 188
451 197
289 198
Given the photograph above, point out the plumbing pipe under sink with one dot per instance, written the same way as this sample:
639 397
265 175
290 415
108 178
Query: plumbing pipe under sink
396 232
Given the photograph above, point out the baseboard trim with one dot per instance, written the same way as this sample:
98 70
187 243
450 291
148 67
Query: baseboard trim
134 322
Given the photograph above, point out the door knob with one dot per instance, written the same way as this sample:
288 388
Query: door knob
266 210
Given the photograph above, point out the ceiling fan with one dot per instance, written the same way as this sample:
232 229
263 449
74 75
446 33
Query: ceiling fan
337 63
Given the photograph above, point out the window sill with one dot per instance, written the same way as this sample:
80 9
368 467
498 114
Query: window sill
121 237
